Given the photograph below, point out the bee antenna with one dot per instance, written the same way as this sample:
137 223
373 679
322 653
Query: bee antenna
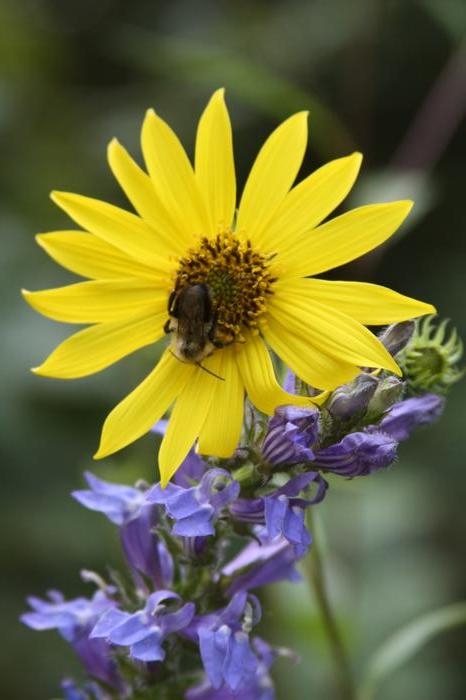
209 371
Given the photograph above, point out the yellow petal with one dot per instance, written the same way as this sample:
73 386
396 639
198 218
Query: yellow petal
316 368
214 163
221 431
331 331
145 405
118 227
173 177
257 373
307 204
97 347
344 238
140 191
188 415
369 304
89 256
272 175
98 301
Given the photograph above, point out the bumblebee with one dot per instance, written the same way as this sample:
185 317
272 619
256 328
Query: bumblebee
193 323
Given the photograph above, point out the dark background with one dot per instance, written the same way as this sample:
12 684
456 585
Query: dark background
385 77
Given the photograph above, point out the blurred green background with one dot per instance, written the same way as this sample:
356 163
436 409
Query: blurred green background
385 77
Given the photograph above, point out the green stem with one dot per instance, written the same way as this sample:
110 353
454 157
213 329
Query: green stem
316 577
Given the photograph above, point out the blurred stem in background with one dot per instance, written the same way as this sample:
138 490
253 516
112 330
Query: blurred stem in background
316 577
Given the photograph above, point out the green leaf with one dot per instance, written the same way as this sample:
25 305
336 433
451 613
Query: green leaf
404 644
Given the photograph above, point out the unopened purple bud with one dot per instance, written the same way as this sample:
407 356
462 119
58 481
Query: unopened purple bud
291 433
407 415
351 400
358 454
397 336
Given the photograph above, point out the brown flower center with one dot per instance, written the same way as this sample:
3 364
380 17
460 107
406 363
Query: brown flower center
238 280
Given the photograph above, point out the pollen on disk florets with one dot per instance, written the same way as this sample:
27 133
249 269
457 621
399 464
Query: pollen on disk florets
238 279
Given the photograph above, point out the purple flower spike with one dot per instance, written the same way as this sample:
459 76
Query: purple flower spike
291 433
195 509
145 630
358 454
74 619
127 507
400 421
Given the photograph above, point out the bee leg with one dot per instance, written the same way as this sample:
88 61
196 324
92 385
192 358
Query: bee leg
171 302
211 335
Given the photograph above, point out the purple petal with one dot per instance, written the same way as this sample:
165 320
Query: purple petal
405 416
199 524
110 619
271 563
241 664
213 647
157 599
149 648
358 454
132 630
173 622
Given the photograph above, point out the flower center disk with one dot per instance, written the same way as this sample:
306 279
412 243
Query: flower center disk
238 280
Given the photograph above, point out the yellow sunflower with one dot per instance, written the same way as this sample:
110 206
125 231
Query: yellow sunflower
224 286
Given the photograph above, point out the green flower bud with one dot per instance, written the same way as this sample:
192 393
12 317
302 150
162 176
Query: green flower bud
389 391
430 360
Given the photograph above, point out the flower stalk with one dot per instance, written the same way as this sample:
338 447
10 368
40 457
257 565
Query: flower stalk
317 580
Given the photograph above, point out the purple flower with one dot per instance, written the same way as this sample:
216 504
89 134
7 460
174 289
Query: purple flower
259 688
282 512
282 519
260 564
120 503
72 692
358 454
400 421
226 652
91 691
127 507
74 619
195 509
145 630
291 433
